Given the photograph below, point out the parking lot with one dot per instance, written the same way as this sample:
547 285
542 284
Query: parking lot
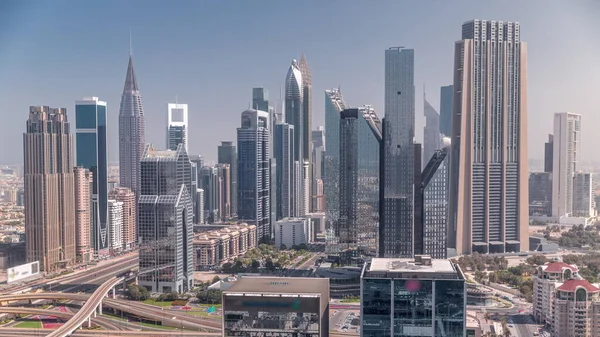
345 320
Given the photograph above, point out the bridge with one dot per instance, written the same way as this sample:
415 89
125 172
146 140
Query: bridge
104 323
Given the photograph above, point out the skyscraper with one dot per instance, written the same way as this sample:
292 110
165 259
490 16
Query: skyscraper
91 153
284 156
132 132
431 132
165 221
227 154
548 153
115 225
197 164
127 198
294 116
489 203
583 195
254 172
83 214
177 126
446 106
334 104
566 152
49 189
209 177
347 227
224 190
399 154
307 129
318 167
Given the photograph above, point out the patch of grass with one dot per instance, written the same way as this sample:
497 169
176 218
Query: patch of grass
350 300
114 317
164 327
156 303
29 325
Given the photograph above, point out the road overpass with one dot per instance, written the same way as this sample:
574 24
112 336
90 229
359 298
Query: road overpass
104 323
11 332
177 319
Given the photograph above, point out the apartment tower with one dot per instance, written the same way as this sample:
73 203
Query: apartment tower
489 204
127 198
49 189
83 210
565 161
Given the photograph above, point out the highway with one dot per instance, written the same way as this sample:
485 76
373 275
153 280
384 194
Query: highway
87 309
100 321
11 332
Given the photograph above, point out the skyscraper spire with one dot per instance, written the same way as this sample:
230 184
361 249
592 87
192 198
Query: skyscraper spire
130 48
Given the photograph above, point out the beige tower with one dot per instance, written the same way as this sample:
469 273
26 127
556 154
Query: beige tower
489 171
83 209
224 187
49 189
127 197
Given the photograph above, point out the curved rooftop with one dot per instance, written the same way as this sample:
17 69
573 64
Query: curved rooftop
572 285
293 81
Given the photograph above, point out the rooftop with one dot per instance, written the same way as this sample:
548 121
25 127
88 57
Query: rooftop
558 267
409 265
280 285
573 284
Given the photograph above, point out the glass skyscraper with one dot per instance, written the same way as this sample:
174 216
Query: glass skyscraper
165 221
177 126
399 154
284 156
446 106
412 297
91 153
334 104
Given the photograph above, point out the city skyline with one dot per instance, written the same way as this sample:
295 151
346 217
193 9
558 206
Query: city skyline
574 92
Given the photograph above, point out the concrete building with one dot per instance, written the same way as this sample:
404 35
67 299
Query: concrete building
292 232
584 204
545 281
277 306
115 225
166 221
412 297
576 309
199 213
489 162
177 126
129 232
254 172
566 157
91 153
132 132
209 182
214 247
83 210
49 185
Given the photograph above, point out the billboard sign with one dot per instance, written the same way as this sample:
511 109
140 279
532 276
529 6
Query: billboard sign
23 271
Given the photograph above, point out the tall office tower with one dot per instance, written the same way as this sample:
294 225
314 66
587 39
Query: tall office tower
284 156
273 185
548 153
412 297
49 189
334 104
431 132
227 154
540 194
165 222
177 126
132 132
307 128
83 214
399 157
305 188
317 158
209 176
583 195
199 206
489 204
197 164
346 227
254 172
91 153
294 116
368 178
194 187
115 225
446 106
430 229
565 156
127 198
320 193
260 99
224 202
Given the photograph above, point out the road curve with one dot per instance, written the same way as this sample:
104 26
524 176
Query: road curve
102 322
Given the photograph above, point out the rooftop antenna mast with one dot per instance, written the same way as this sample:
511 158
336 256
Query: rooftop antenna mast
130 48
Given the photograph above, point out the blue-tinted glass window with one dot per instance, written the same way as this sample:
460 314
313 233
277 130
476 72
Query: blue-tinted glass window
86 150
85 116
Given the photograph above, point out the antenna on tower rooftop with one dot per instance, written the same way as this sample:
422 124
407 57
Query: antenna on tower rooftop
130 49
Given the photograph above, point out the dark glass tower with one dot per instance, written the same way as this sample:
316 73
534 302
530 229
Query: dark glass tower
446 104
91 153
347 226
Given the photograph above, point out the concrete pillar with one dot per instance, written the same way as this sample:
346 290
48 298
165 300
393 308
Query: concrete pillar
89 321
113 293
94 313
100 308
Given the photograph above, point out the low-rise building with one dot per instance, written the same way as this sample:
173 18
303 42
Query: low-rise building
213 248
292 232
547 278
576 309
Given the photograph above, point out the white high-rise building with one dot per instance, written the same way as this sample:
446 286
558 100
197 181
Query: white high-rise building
566 150
177 126
200 206
115 225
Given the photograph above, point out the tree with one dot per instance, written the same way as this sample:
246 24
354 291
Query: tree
138 293
255 265
269 264
215 280
227 267
283 247
212 296
537 260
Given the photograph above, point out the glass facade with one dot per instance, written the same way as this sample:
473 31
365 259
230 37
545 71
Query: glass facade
419 307
91 150
334 104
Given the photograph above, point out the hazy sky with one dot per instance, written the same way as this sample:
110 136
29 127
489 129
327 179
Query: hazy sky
211 53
